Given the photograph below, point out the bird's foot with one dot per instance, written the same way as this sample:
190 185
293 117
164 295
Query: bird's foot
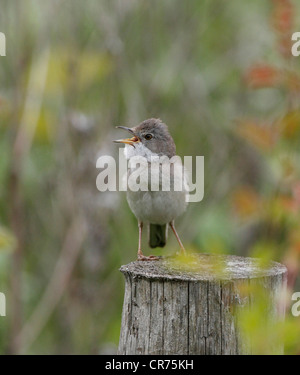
142 257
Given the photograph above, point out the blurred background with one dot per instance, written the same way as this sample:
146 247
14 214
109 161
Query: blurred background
219 74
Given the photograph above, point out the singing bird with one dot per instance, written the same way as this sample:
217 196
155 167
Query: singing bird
156 209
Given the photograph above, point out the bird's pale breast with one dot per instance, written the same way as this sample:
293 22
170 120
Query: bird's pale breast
158 207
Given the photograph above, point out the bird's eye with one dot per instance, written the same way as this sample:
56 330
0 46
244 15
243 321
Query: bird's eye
148 136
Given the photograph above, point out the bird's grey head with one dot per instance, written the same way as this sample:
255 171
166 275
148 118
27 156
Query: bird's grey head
154 135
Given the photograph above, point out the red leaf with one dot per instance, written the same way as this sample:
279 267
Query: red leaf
261 136
296 194
282 17
246 202
263 75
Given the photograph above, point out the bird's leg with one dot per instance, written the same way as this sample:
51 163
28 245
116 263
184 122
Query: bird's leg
177 237
140 254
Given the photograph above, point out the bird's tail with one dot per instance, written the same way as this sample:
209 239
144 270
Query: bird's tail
158 235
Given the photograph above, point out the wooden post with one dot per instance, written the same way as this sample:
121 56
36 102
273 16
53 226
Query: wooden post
168 310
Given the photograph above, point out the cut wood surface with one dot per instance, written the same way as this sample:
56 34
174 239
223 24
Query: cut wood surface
193 307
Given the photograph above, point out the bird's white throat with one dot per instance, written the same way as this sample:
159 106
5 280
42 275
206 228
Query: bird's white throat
138 149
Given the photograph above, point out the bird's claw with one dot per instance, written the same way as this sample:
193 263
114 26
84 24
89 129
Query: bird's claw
147 258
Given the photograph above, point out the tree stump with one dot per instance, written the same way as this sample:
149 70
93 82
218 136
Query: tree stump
195 309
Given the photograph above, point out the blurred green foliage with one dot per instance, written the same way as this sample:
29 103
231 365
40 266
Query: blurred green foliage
218 73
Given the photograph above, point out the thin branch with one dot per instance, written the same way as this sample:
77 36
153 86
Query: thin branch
59 280
20 150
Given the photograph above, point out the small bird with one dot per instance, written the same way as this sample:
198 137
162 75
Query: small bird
156 209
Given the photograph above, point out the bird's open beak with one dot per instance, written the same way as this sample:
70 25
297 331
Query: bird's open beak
129 141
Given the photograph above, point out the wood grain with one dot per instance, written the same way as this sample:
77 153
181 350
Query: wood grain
194 309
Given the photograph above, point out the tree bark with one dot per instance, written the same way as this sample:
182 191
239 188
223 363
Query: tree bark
195 309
